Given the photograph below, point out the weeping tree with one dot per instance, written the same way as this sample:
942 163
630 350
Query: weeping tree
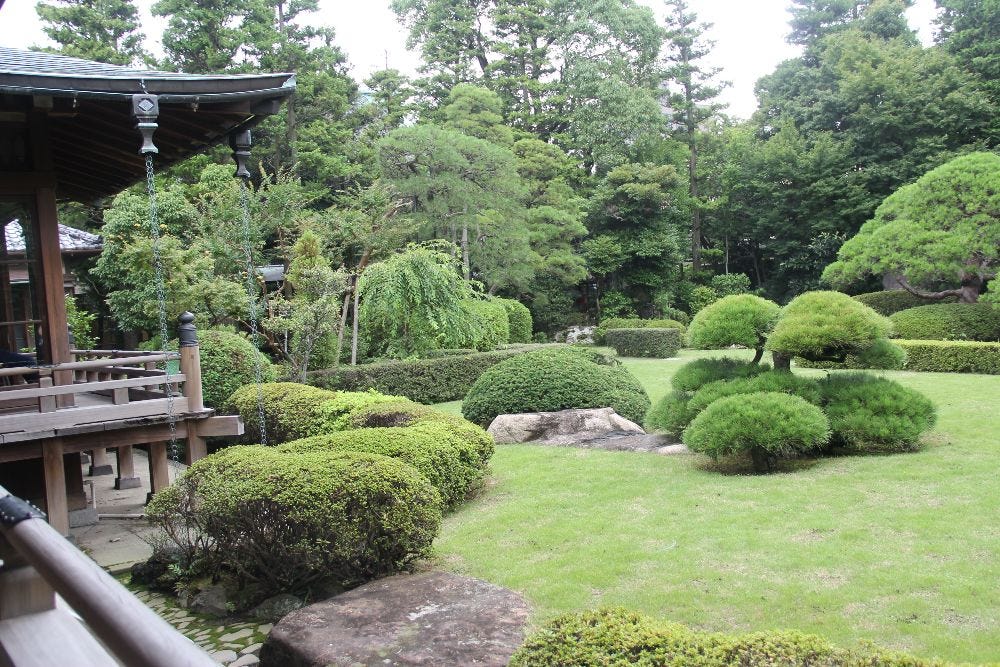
941 231
413 301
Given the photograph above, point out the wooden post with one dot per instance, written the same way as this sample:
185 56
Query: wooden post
55 485
190 362
99 462
159 468
127 478
196 448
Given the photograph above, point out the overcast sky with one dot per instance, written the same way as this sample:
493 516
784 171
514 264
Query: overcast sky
749 35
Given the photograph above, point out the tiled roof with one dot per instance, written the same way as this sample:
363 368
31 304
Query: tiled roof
71 239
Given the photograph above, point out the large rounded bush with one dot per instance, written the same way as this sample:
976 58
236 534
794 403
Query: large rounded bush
948 321
740 319
766 426
869 414
490 327
826 325
892 301
286 521
550 380
696 374
519 319
229 361
438 459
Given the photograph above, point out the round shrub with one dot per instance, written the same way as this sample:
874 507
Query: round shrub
228 361
283 522
771 381
658 343
892 301
869 414
949 321
696 374
519 319
740 319
550 380
826 325
438 459
490 328
670 413
766 426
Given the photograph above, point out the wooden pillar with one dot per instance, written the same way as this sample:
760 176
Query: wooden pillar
196 448
127 479
55 485
100 464
190 363
159 468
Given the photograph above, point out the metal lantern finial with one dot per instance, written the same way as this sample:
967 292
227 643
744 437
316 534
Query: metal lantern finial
145 110
240 143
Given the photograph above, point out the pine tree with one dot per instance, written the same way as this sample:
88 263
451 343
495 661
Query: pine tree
107 31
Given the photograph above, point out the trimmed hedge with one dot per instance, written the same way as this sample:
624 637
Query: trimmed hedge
438 380
519 318
632 323
657 343
620 637
956 356
281 522
888 302
949 321
696 374
765 425
550 380
228 361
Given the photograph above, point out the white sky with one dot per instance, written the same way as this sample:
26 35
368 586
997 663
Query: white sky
749 35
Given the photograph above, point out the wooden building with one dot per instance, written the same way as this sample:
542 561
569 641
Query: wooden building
71 130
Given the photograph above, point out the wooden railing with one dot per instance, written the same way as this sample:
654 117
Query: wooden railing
36 631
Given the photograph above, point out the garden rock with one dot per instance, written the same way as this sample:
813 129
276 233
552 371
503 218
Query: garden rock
432 618
212 601
561 428
273 608
576 335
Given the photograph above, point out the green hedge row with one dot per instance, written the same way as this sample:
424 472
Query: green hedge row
948 321
622 637
658 343
632 323
437 380
937 356
891 301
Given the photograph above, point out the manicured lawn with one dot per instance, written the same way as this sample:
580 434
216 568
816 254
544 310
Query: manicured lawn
901 550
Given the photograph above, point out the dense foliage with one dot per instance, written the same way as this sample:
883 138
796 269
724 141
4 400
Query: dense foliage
550 380
888 302
229 361
490 325
661 343
614 636
518 320
951 356
694 375
633 323
949 321
742 319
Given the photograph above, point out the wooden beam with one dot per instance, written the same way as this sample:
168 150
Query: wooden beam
196 448
221 425
23 591
55 485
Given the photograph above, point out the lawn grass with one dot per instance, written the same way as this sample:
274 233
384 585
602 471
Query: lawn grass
900 550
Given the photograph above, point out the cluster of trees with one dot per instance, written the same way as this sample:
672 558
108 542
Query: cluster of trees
573 154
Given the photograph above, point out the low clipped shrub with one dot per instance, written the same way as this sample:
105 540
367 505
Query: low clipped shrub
278 522
491 329
888 302
869 414
519 318
615 636
448 352
771 381
436 457
951 356
432 380
228 361
949 321
632 323
694 375
701 296
657 343
550 380
766 426
293 411
884 354
740 319
670 413
676 314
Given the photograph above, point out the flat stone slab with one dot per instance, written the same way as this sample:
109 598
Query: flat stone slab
432 618
562 427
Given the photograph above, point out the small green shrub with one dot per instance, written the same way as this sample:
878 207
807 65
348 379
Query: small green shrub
227 363
438 459
888 302
694 375
658 343
951 356
766 426
283 522
949 321
826 326
620 637
670 413
869 414
728 284
884 354
742 319
632 323
492 330
701 296
549 380
771 381
431 380
519 318
676 314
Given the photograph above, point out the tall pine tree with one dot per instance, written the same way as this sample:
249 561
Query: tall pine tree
104 30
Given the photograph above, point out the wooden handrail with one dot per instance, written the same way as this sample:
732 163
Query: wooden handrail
129 629
82 387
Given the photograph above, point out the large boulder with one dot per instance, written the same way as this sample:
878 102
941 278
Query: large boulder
433 618
564 427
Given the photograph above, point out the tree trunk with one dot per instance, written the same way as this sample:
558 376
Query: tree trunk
466 268
762 461
969 291
354 331
782 362
759 352
343 320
